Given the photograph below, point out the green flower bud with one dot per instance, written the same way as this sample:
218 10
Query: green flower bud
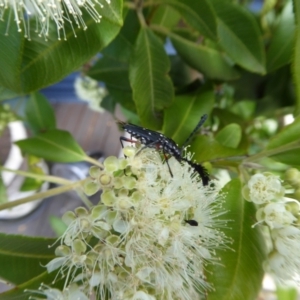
106 180
94 171
90 187
78 246
111 164
129 182
98 212
108 198
123 192
118 182
68 217
62 251
297 194
292 176
113 239
123 163
99 233
292 207
136 196
129 151
110 217
81 211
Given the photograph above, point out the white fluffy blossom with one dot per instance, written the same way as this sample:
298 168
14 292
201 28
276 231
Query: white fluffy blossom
152 234
45 12
88 89
263 188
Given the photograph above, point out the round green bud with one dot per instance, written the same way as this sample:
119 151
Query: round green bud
78 246
99 233
111 216
129 151
62 251
118 182
106 180
90 187
108 198
81 211
98 212
111 164
292 176
94 171
136 196
68 217
297 194
123 192
112 239
123 163
129 182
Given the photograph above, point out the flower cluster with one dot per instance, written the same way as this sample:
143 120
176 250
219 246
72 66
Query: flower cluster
281 215
45 11
151 235
88 89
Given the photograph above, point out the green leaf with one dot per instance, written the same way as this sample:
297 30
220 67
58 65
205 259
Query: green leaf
122 46
182 117
25 290
152 88
239 35
22 258
207 149
199 14
26 66
211 62
296 57
230 135
39 113
53 145
165 16
287 135
239 273
281 47
6 94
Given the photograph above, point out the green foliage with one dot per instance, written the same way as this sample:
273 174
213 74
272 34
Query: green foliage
240 67
241 269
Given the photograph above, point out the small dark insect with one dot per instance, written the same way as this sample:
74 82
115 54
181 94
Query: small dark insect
192 222
154 139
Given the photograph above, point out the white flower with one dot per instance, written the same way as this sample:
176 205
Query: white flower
88 89
263 188
287 241
164 231
275 215
45 12
70 293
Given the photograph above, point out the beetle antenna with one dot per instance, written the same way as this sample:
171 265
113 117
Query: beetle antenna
200 123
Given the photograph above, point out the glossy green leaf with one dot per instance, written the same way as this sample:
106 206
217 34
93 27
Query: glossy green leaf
239 35
165 16
288 134
199 14
239 273
230 135
152 87
182 117
122 46
39 113
26 289
211 62
22 258
296 57
6 94
53 145
281 47
26 66
207 149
